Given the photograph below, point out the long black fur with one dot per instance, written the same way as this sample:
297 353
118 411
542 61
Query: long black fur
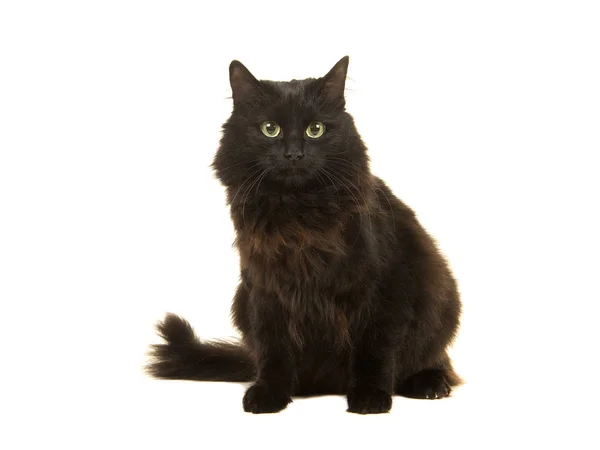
185 355
342 290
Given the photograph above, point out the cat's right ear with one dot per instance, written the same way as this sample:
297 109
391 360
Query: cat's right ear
243 84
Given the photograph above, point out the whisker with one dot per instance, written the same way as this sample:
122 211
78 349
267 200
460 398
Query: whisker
242 185
247 194
345 186
335 186
344 162
359 192
256 162
390 205
263 177
349 172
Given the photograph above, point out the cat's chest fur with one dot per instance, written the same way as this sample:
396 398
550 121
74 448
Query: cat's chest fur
287 242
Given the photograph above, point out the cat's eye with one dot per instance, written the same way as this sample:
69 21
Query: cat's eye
270 129
315 130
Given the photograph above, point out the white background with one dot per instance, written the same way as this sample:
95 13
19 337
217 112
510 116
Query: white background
482 116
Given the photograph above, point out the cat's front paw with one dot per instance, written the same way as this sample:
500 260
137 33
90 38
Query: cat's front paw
369 401
261 398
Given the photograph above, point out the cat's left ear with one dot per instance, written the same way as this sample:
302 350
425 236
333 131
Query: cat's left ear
335 80
243 84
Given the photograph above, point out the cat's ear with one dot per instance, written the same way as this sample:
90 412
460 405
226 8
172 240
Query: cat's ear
243 84
335 80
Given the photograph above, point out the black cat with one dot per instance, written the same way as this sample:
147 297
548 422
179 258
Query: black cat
342 291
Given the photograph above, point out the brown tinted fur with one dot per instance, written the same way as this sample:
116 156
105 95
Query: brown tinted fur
342 291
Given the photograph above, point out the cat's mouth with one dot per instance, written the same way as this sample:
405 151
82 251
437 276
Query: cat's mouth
294 166
294 172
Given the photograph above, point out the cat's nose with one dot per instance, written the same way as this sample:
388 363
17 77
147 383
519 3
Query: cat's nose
294 154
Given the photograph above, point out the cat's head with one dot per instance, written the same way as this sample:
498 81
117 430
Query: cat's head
291 134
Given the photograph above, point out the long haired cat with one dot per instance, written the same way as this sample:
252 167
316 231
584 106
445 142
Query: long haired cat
342 291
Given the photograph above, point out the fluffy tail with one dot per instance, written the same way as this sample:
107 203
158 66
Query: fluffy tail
185 357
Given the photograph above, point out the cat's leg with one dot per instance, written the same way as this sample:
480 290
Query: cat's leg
240 310
273 350
433 383
372 370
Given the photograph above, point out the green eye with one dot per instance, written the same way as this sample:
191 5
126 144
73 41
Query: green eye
270 129
315 130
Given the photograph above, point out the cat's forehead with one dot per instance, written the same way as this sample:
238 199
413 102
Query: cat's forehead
294 97
293 90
